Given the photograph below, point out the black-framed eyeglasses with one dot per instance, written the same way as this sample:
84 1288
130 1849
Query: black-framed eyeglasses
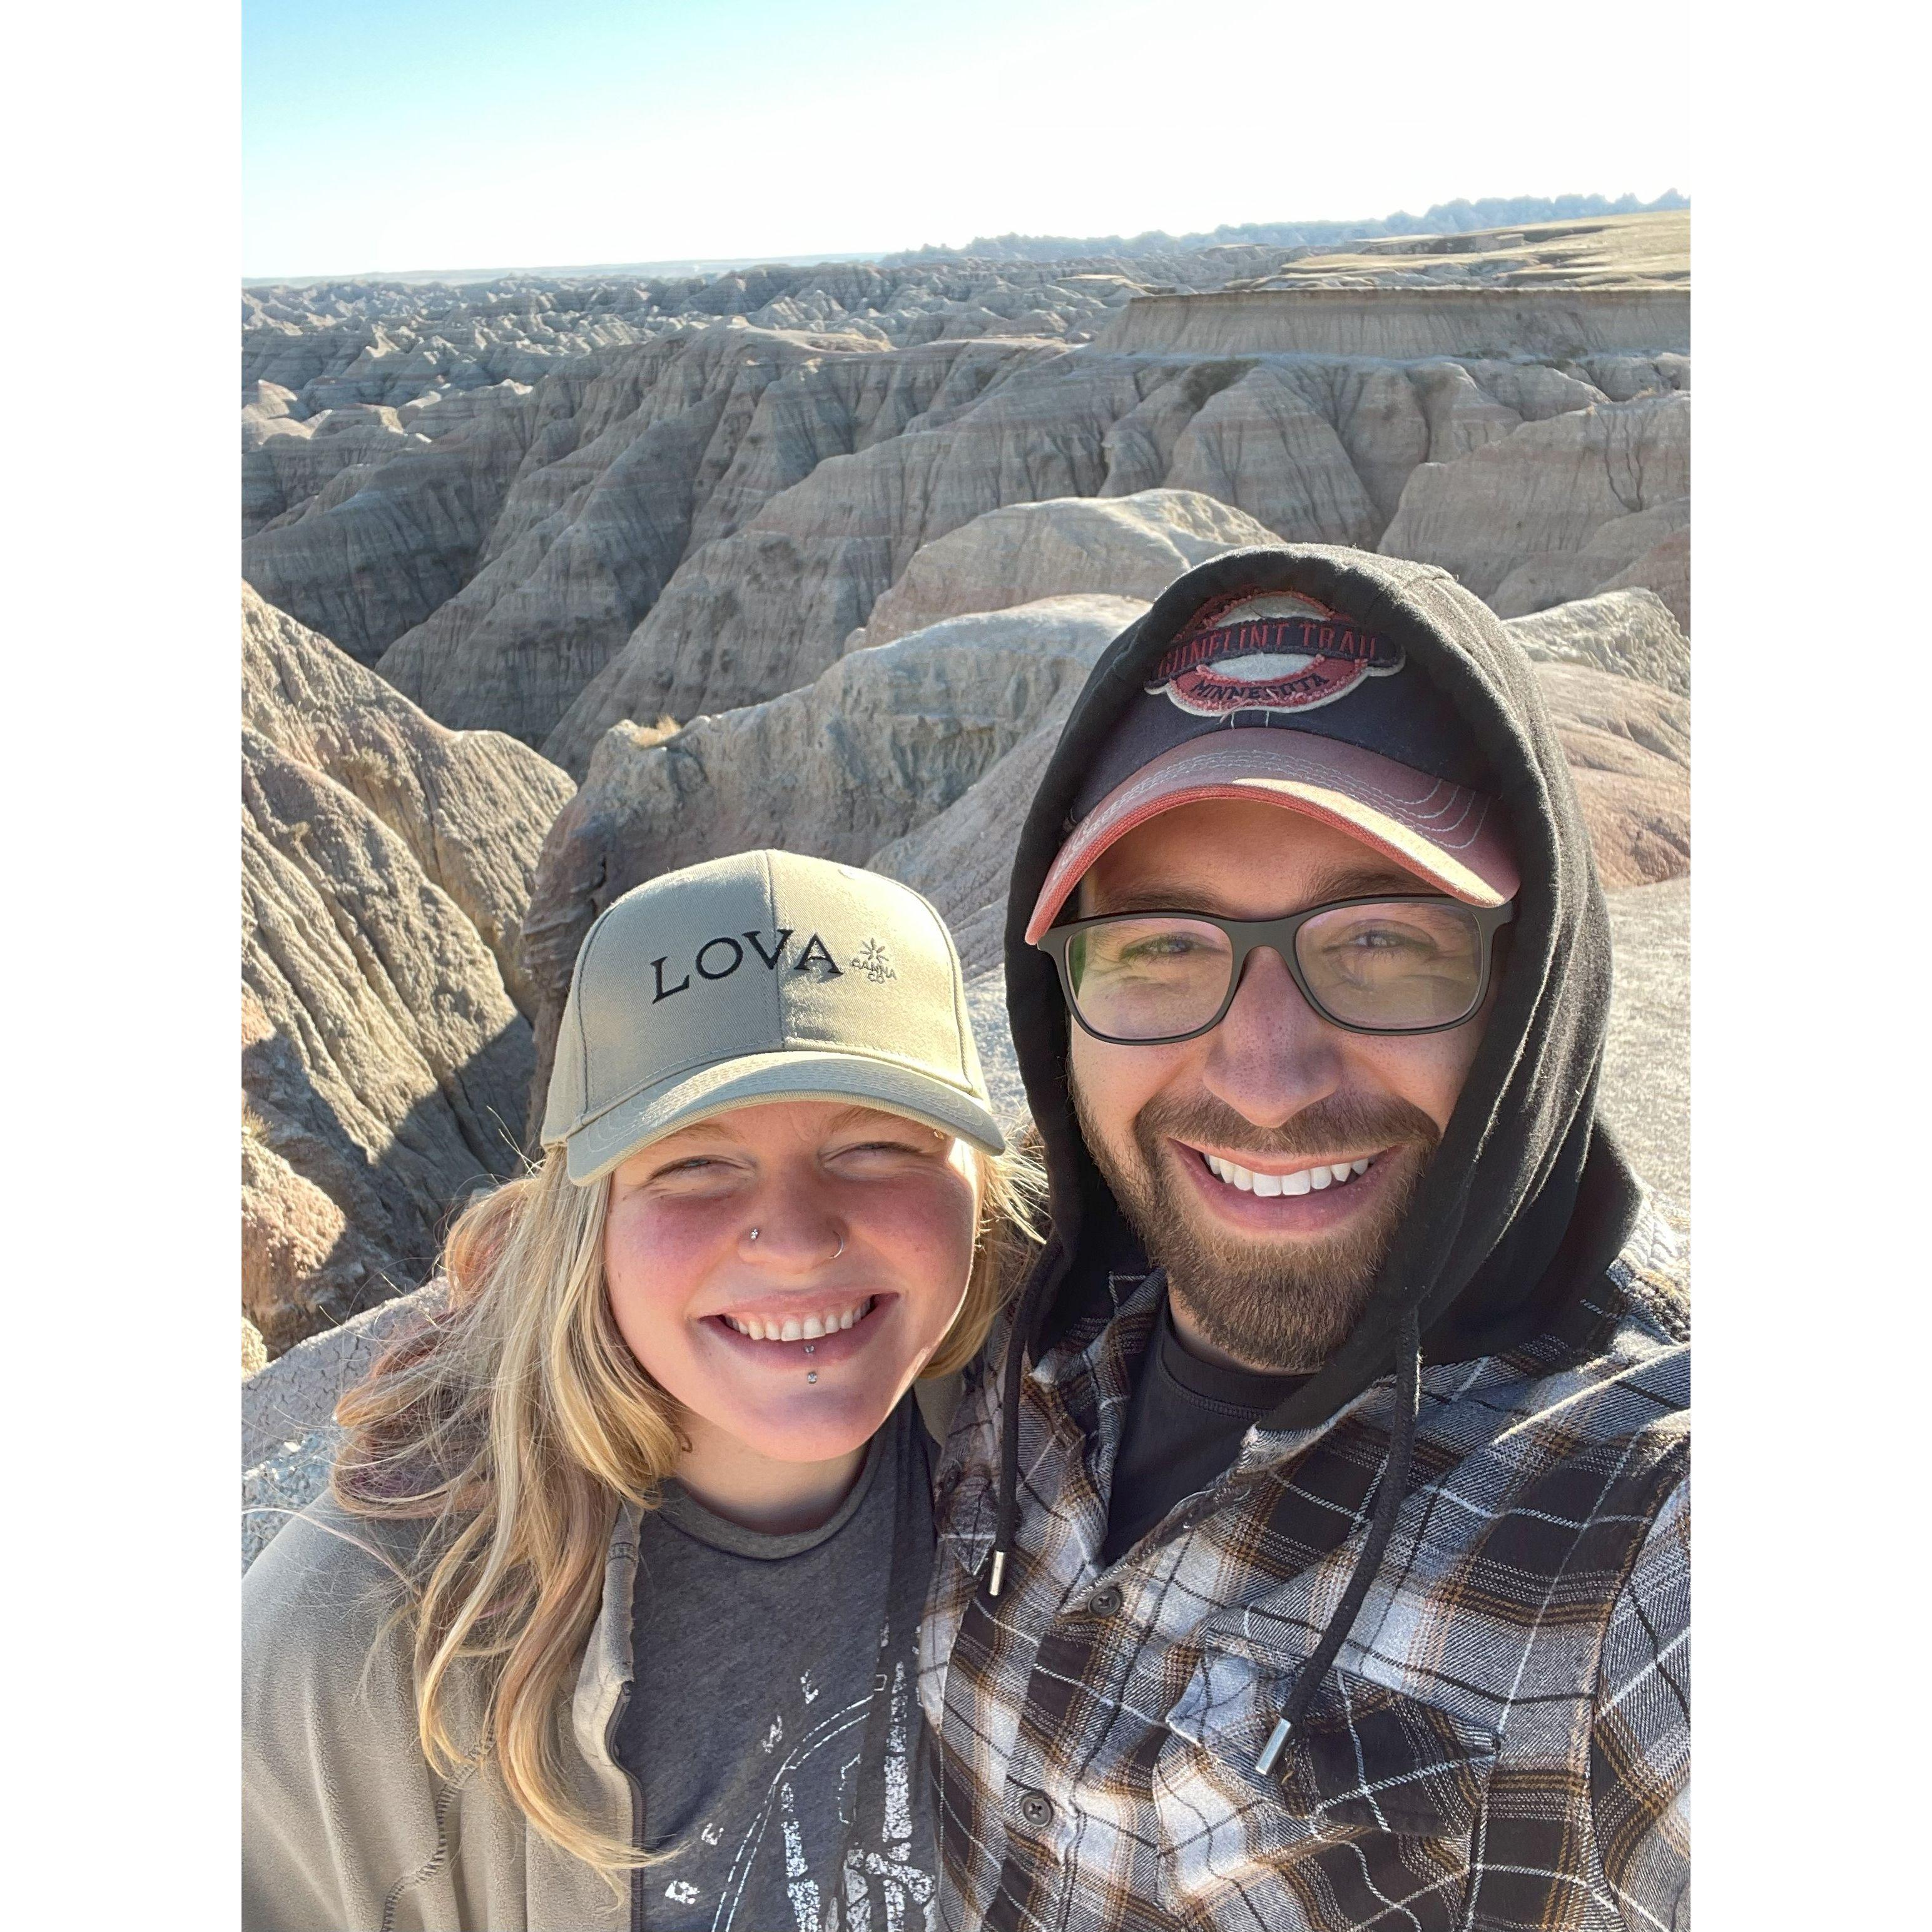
1368 965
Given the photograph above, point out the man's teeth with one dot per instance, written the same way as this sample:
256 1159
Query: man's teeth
1334 1175
797 1328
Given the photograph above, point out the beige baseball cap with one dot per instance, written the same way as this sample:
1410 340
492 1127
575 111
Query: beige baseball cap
767 976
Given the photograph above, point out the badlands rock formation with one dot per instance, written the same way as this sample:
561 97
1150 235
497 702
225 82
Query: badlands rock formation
288 1439
391 343
1313 449
1447 221
1509 514
1649 251
691 439
394 343
695 519
473 806
1307 318
386 861
1117 546
1647 549
961 859
1631 632
1629 747
1646 1082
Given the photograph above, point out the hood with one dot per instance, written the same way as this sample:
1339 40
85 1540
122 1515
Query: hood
1495 1246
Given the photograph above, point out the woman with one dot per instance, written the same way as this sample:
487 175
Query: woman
609 1619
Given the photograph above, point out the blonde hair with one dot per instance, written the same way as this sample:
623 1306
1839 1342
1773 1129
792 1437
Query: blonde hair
512 1423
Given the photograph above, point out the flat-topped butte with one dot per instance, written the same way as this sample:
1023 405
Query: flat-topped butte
1405 324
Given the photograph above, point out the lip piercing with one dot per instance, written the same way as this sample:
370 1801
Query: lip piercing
754 1234
811 1374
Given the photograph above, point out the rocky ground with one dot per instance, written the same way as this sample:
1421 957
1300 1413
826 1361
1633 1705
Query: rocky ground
550 588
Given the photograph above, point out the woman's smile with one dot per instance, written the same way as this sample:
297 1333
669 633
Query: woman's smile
785 1324
805 1341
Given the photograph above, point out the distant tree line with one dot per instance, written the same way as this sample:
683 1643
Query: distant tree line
1447 217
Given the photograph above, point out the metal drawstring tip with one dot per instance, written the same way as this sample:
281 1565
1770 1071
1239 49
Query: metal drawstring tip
999 1572
1271 1751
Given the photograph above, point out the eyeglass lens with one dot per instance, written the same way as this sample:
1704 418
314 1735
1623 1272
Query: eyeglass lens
1395 964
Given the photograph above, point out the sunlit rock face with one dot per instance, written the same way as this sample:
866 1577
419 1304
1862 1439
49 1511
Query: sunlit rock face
1120 546
386 864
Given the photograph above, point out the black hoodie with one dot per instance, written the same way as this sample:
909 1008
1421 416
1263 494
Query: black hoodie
1524 1244
1527 1198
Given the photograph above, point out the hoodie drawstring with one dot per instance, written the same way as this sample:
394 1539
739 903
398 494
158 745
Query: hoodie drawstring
1007 1519
1394 1486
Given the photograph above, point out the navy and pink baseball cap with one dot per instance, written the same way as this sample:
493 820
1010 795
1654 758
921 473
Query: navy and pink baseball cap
1269 695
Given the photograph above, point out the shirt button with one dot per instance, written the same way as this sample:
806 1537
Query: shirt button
1105 1602
1037 1808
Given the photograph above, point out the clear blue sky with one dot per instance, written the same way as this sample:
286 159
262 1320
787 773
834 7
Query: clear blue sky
382 135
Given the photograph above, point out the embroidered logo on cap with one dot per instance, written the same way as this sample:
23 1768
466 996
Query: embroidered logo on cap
1279 652
875 962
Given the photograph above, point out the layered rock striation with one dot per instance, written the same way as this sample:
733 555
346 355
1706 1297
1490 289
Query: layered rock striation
1513 519
692 440
696 520
473 806
385 866
1404 324
1131 547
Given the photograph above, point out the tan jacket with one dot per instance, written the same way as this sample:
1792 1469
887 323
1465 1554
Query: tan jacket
345 1827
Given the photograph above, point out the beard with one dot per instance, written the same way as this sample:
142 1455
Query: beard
1281 1306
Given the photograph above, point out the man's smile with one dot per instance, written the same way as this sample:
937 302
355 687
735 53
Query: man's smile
1276 1194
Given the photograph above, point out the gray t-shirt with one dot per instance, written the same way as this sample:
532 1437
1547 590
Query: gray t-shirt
774 1724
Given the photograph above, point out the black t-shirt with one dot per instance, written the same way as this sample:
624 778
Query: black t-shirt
774 1725
1184 1428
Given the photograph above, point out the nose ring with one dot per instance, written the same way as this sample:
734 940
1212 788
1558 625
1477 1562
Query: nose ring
835 1253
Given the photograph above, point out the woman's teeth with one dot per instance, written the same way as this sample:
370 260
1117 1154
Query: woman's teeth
794 1328
1299 1183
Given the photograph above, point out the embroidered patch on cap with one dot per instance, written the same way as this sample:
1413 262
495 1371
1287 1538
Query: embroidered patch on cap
1277 651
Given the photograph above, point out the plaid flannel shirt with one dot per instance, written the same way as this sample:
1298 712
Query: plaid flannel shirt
1503 1740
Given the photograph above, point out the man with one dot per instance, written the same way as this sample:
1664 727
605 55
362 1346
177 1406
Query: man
1314 1549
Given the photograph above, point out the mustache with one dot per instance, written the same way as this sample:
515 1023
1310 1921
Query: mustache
1339 1122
